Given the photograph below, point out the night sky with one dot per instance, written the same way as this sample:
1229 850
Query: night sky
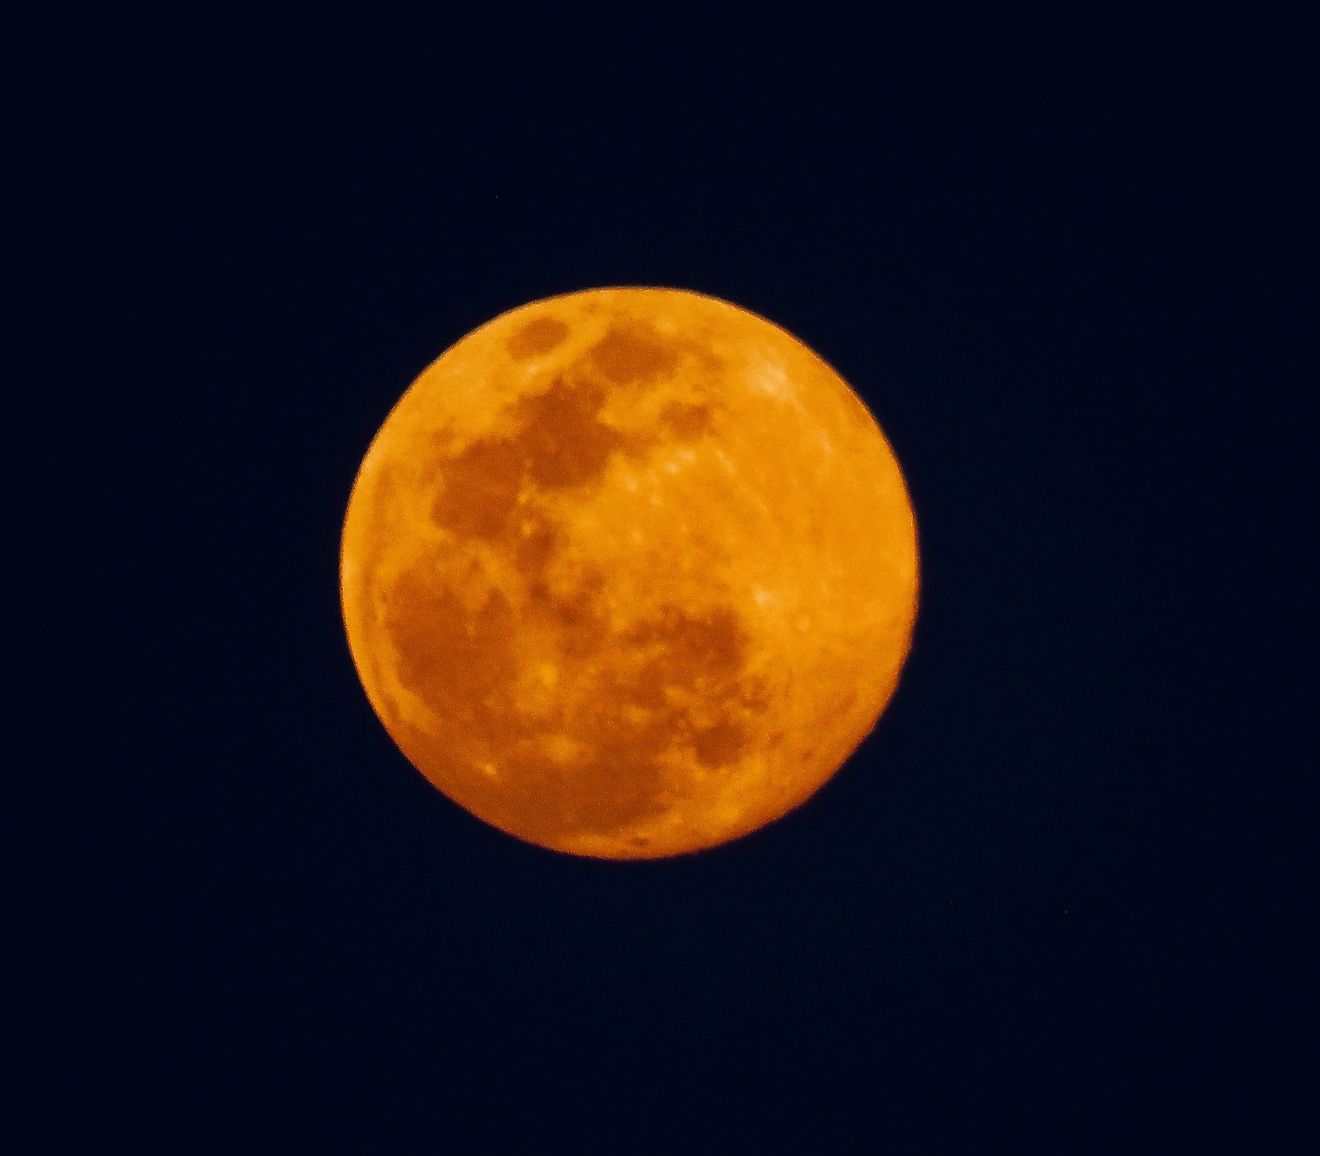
1069 262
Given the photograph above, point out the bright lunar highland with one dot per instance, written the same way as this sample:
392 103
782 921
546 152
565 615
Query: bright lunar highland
628 573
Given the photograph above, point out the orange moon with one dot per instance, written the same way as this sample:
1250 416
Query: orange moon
629 573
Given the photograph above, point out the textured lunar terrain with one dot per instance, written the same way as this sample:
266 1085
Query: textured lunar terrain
629 572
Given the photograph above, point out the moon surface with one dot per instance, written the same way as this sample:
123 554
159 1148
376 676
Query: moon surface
629 572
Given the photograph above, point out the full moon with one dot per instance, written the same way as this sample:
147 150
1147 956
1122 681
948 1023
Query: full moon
629 573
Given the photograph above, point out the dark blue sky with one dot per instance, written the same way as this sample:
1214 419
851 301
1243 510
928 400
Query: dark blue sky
1068 259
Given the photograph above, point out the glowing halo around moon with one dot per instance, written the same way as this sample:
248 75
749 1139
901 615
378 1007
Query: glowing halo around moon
629 572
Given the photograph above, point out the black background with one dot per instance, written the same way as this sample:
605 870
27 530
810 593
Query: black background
1067 256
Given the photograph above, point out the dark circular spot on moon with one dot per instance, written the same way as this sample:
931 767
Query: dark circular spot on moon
684 419
693 647
719 744
563 442
538 336
450 658
480 488
536 542
632 352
